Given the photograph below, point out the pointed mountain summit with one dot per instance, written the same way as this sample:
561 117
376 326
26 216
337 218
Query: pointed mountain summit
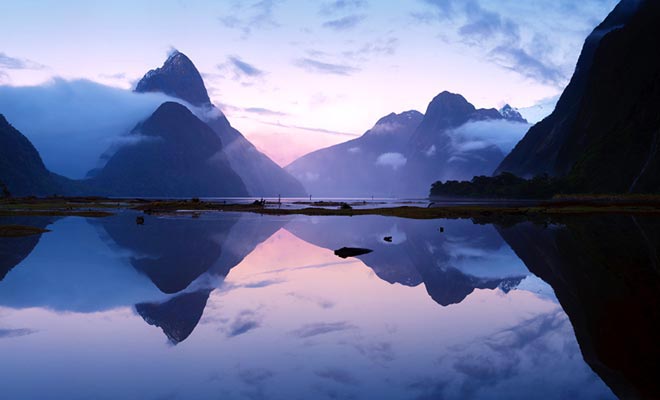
604 134
174 155
512 114
178 77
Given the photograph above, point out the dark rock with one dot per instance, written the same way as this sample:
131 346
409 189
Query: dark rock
388 239
346 252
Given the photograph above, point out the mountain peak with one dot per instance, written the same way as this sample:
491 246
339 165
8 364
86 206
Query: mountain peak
447 110
178 77
512 114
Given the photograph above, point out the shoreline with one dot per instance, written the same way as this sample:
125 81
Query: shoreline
99 207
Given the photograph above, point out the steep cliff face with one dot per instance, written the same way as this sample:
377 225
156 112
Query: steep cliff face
22 171
605 274
174 155
604 134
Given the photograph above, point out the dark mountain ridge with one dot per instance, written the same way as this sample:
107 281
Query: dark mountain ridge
175 155
604 134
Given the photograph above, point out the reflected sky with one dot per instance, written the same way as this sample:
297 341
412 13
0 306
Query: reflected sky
272 313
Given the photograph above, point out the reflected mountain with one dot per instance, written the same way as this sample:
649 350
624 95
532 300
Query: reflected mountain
451 264
168 266
184 254
178 316
13 250
605 272
172 252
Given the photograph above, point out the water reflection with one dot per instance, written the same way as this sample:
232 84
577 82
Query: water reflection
260 307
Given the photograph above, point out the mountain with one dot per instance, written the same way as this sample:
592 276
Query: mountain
177 317
22 170
359 167
404 153
512 114
604 272
443 146
418 255
174 154
178 77
604 134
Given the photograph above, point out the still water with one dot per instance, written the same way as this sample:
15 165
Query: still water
242 306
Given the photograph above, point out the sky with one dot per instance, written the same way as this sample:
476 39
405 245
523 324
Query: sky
293 75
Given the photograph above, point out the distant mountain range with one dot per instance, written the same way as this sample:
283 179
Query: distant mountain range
403 153
604 135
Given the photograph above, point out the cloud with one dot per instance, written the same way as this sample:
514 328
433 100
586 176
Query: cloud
483 24
344 23
264 111
518 60
515 36
339 6
393 160
7 62
11 333
244 322
482 134
312 65
244 68
73 123
321 328
247 18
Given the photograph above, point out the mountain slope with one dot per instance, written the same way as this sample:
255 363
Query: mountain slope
442 147
359 167
180 78
604 134
175 155
21 167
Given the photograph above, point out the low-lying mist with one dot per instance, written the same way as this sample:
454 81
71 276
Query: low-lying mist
73 123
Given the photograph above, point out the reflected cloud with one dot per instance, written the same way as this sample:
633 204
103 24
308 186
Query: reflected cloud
11 333
321 328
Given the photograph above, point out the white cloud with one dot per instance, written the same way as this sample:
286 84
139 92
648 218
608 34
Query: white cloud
481 134
393 160
73 123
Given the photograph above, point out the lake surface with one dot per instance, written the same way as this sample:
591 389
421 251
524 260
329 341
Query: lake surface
243 306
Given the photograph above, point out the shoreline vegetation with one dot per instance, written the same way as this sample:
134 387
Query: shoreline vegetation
99 207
